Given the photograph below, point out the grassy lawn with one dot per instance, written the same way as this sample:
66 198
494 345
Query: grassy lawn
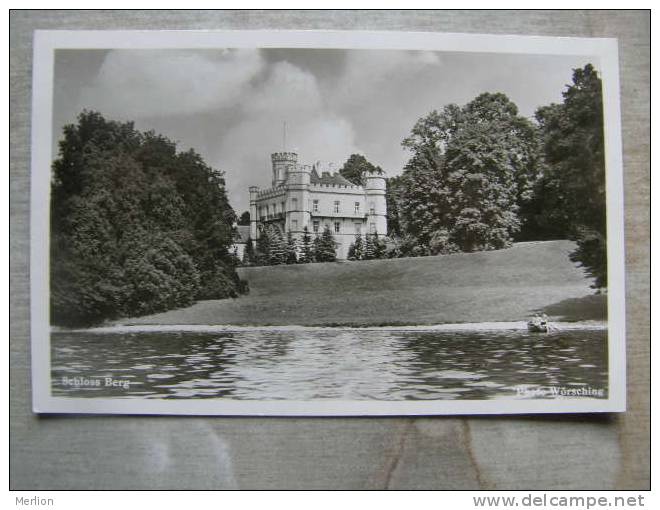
505 285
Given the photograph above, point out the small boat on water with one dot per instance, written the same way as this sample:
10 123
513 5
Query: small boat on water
538 324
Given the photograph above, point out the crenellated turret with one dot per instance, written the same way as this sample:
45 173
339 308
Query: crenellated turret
282 163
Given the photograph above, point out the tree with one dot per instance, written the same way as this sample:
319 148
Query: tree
317 249
291 250
136 227
263 246
485 159
355 168
244 219
369 247
307 248
462 184
161 275
574 184
425 201
325 248
392 200
358 247
380 247
277 247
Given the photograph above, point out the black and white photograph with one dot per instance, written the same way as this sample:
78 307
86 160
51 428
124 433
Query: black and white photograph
326 223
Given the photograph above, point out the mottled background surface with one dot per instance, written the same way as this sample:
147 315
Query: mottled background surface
560 452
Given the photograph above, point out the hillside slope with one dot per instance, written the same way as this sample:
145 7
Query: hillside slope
505 285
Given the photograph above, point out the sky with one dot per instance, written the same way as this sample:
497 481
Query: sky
230 105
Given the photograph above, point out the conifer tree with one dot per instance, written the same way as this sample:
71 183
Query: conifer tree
369 247
291 255
359 247
263 247
317 250
326 247
307 249
277 254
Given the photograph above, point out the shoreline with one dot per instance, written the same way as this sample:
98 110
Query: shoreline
229 328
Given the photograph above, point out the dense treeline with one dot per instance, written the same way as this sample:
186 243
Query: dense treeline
481 176
273 248
373 247
136 227
572 190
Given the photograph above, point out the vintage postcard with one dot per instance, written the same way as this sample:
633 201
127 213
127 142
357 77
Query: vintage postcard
326 223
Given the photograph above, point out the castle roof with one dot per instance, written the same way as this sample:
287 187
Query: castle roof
328 178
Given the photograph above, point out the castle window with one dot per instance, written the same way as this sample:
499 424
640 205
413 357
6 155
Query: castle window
372 228
294 204
358 228
315 226
315 206
357 207
337 227
283 207
294 224
372 208
336 206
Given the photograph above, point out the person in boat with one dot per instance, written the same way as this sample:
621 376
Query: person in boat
538 323
549 325
541 323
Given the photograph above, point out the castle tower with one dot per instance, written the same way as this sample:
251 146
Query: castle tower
297 215
282 163
374 189
253 212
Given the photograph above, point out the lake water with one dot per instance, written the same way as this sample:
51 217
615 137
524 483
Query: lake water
347 364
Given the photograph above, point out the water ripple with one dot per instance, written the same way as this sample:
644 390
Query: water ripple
325 363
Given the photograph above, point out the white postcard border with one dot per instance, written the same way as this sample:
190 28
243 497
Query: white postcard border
45 42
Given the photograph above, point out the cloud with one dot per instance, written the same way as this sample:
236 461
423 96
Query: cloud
155 83
286 94
230 105
382 93
288 90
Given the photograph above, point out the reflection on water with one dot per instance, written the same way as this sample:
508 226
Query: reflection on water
327 364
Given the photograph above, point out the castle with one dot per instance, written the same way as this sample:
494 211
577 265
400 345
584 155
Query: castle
300 197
